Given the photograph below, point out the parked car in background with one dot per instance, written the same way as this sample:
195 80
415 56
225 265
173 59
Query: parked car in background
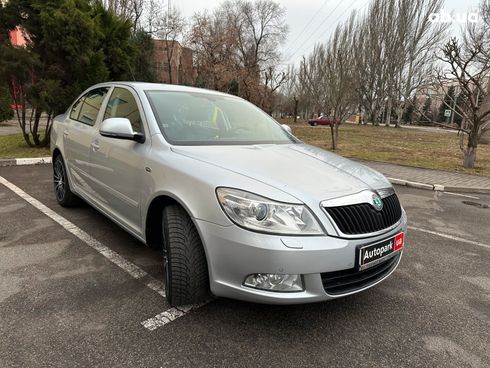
236 204
323 120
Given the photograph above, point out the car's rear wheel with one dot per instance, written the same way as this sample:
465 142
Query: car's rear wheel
314 124
64 196
186 270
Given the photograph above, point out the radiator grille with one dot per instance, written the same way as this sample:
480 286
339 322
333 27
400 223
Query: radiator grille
364 219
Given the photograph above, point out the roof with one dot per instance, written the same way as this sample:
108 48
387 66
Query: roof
144 86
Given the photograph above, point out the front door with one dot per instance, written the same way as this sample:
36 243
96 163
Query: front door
117 165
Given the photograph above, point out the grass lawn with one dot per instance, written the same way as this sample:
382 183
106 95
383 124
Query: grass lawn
412 147
14 146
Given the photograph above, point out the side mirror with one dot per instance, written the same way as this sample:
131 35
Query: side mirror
287 128
120 128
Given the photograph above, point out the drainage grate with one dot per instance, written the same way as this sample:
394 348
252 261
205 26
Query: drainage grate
476 204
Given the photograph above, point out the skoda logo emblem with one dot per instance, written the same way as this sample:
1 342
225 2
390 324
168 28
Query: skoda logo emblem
377 202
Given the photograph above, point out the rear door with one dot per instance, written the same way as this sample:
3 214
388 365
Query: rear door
78 134
118 165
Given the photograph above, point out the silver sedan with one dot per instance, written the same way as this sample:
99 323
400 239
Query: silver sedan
238 205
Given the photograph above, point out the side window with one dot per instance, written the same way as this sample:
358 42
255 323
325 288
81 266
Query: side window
85 110
75 111
91 105
123 105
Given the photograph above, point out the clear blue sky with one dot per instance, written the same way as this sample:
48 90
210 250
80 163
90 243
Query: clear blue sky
312 21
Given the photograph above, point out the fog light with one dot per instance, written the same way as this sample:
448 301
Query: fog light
274 282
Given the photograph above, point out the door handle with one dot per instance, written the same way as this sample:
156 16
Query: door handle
95 145
66 133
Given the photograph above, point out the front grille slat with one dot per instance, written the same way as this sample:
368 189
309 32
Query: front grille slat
390 209
355 221
370 219
345 281
345 219
362 218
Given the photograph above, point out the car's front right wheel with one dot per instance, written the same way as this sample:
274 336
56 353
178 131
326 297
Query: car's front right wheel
186 270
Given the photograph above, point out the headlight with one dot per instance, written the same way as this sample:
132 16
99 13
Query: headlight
261 214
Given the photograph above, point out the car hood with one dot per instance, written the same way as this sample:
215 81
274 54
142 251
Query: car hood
297 169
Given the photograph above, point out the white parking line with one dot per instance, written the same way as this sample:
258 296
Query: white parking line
108 253
449 237
169 315
132 269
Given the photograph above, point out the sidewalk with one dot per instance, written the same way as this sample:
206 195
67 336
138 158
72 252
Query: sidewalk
432 179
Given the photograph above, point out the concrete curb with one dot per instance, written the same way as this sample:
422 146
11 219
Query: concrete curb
438 187
395 181
25 161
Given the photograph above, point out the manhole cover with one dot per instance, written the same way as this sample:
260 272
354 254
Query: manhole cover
476 204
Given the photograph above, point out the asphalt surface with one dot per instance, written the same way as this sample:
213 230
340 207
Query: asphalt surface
62 304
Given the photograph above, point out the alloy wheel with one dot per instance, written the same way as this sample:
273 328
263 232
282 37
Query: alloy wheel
59 180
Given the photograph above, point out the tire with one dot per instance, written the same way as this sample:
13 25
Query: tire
64 196
186 270
314 124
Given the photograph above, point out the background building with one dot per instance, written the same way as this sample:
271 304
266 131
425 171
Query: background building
182 70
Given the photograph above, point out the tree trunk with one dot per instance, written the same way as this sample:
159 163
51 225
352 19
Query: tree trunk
388 113
470 152
399 117
295 108
35 133
332 132
469 158
337 135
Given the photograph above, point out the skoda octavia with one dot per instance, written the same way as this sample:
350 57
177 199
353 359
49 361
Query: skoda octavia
237 204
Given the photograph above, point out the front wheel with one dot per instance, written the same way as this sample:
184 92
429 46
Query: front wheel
186 270
64 196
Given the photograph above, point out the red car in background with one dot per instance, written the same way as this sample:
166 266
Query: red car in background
323 120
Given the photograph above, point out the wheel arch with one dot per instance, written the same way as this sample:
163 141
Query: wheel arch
154 217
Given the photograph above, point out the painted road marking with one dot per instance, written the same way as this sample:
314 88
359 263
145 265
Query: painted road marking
136 272
169 315
108 253
449 237
462 195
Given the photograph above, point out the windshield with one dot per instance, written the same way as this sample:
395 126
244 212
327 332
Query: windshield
187 118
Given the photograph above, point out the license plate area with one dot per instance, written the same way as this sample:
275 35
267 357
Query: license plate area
373 254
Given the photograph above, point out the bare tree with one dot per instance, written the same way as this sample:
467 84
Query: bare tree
418 41
291 91
237 49
369 62
469 66
327 76
340 76
127 9
260 29
215 51
152 15
395 43
171 28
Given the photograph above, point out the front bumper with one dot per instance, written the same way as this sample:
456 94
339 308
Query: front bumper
233 253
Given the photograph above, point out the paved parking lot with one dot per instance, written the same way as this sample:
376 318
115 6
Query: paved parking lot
77 291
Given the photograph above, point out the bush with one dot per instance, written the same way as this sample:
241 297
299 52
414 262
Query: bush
6 112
